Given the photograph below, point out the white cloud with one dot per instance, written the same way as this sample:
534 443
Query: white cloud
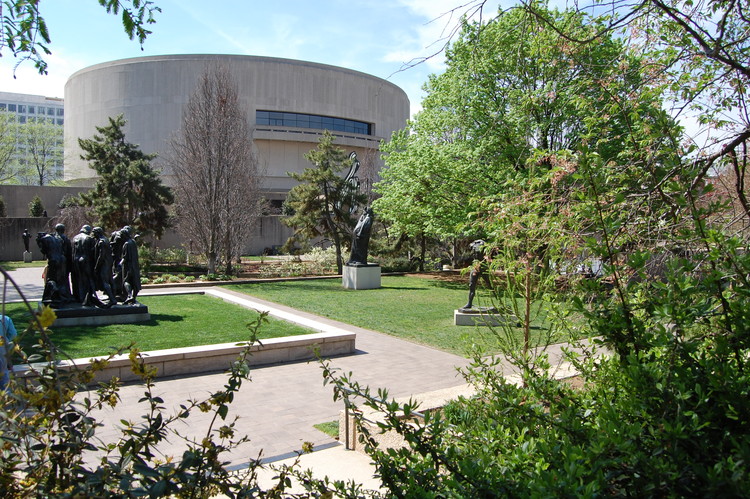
28 80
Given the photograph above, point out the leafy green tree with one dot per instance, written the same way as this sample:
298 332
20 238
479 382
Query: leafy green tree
323 201
9 167
512 88
36 208
26 37
3 212
128 191
660 410
43 149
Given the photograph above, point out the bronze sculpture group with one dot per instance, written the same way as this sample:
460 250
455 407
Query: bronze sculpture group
78 269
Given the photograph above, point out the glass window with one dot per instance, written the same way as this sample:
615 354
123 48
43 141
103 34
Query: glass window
60 111
311 121
303 121
11 107
60 121
22 119
50 111
276 119
21 108
3 106
32 110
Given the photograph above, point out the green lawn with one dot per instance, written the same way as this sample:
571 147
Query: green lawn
8 265
413 308
176 321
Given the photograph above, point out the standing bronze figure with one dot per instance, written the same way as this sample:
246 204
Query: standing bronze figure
361 238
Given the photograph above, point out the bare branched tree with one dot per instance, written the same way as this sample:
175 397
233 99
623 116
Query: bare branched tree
218 178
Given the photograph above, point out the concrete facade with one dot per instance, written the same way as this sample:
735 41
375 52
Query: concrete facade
27 109
151 93
18 197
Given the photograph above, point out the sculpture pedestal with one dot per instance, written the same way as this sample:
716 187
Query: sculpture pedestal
480 316
361 276
78 315
27 257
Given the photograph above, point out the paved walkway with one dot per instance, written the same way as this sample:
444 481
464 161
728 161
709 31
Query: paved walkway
282 403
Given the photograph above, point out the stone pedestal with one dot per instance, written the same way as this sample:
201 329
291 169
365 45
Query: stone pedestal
481 316
361 276
27 257
78 315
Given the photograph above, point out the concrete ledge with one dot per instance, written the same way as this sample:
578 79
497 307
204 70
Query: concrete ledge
477 319
213 358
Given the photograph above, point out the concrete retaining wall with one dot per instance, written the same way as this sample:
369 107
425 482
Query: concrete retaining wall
217 358
18 197
11 242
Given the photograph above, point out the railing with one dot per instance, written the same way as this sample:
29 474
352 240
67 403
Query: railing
358 413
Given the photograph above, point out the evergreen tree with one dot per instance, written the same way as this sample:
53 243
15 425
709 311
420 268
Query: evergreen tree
323 203
128 190
36 208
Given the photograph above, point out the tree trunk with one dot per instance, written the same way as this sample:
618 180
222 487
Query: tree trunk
211 262
423 252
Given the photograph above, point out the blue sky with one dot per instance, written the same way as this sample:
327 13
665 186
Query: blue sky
377 37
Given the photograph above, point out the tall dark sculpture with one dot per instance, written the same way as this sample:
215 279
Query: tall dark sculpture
67 248
103 265
84 287
116 240
26 238
361 238
131 274
478 270
55 275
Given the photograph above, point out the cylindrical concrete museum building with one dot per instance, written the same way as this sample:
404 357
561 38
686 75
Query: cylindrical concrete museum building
289 104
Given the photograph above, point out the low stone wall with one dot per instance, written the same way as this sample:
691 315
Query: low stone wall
217 358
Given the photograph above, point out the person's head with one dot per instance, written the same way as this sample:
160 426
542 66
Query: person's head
97 231
86 229
476 246
60 228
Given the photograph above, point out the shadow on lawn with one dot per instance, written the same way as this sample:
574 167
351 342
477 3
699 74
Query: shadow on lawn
157 318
